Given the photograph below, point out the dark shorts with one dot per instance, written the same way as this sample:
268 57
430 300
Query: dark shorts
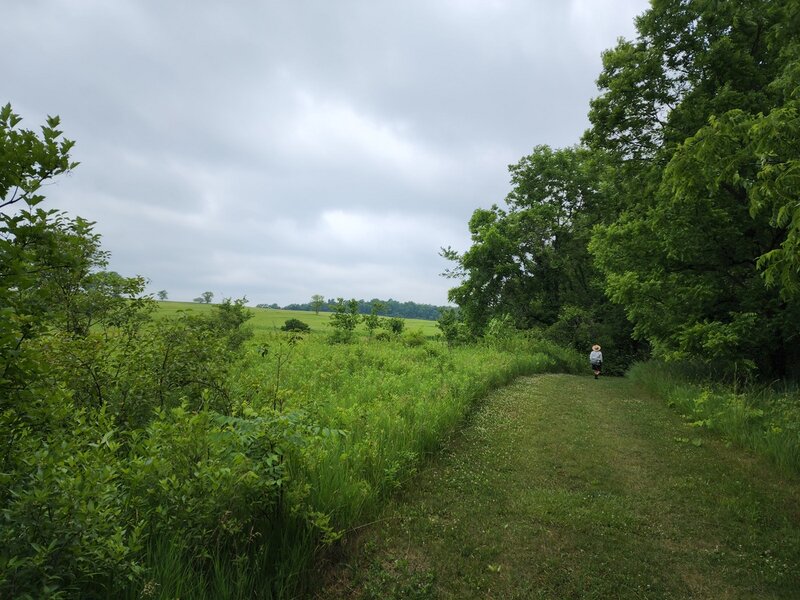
597 366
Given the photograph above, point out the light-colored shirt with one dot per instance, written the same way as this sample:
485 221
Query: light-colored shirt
596 357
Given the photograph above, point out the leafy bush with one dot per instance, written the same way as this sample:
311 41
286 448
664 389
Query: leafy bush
395 325
372 320
453 329
65 522
344 320
414 338
207 480
137 366
295 325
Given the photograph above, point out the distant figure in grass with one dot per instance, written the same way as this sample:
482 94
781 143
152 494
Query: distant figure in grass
596 360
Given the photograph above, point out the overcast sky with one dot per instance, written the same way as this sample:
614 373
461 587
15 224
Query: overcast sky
279 149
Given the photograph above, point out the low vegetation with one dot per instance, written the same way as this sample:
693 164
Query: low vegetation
567 487
231 464
765 419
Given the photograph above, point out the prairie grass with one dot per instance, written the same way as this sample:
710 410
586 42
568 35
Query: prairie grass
385 406
372 411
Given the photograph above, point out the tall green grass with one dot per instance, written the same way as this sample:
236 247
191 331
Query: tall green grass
765 419
374 410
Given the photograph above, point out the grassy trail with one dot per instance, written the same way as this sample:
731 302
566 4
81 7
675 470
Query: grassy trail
567 487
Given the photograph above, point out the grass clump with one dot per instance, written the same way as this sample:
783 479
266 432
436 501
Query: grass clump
761 418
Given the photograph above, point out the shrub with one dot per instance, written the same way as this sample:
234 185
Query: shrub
453 329
414 338
372 320
344 320
500 332
66 530
206 480
394 324
295 325
136 367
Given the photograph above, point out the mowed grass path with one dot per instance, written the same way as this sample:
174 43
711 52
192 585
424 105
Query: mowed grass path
567 487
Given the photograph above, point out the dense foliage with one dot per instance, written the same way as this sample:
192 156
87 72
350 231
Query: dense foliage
530 262
675 225
295 325
116 428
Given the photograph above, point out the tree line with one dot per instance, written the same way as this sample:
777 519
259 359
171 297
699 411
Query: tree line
672 229
389 308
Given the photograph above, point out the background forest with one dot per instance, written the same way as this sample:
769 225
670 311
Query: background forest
184 456
389 308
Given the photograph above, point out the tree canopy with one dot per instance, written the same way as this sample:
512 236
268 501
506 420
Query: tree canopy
680 206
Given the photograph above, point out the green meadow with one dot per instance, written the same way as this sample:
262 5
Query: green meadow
269 319
206 454
181 450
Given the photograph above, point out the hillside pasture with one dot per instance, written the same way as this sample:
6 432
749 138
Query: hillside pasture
268 320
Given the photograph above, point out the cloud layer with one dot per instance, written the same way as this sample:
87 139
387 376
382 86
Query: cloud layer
282 149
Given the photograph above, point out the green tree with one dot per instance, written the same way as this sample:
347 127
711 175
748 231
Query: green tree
32 252
207 297
693 125
530 261
344 319
162 295
372 320
317 302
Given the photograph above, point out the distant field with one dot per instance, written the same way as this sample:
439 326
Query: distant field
270 319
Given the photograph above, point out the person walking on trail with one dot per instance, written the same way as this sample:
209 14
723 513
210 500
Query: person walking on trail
596 360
